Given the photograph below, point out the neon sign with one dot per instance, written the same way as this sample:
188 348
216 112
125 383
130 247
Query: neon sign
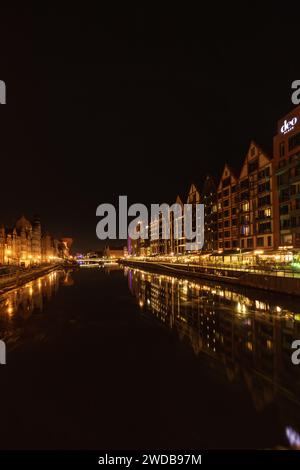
288 125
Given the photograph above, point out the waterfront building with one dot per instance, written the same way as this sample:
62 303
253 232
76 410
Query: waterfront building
209 199
193 199
25 245
255 214
114 253
258 218
286 150
178 241
63 247
159 244
2 244
48 247
228 205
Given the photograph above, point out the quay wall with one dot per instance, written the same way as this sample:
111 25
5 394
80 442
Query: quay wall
258 280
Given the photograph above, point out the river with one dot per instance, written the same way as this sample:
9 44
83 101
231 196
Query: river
128 359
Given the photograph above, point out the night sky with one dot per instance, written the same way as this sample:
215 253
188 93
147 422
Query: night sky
135 101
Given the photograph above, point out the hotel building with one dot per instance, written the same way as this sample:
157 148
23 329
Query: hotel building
286 148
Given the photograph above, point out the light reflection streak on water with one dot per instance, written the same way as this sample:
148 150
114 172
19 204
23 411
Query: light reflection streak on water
248 333
20 303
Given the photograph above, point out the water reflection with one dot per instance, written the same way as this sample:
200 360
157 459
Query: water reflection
244 334
19 304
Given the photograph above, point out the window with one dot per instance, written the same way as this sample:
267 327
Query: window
264 201
250 243
269 240
227 223
260 241
294 141
264 187
264 173
286 240
284 224
264 227
245 207
281 149
226 182
244 195
253 166
233 189
226 234
284 210
245 219
226 214
226 203
245 230
295 221
295 189
226 192
244 184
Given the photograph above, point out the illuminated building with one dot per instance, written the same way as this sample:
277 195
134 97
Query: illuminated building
24 244
159 245
2 244
193 199
48 247
228 205
178 242
286 149
63 247
114 253
257 210
209 199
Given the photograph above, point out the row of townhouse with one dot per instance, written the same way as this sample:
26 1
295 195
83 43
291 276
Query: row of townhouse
257 209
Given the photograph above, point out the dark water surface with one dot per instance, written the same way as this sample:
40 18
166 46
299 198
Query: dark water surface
128 359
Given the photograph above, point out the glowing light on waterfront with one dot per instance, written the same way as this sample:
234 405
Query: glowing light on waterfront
10 310
241 308
293 437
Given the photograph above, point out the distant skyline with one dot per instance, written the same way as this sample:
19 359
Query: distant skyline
136 102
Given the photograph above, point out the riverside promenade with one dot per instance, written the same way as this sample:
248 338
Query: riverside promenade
15 276
280 280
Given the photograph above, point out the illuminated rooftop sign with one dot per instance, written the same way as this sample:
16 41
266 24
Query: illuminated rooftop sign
288 125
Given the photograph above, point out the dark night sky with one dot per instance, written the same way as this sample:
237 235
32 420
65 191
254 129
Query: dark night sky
138 102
